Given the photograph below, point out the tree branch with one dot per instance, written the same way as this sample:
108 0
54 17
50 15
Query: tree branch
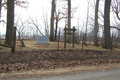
115 27
36 26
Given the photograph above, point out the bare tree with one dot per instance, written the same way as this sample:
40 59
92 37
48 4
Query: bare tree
52 21
35 23
78 31
87 20
44 26
0 16
116 7
45 22
0 8
57 20
58 17
96 23
69 20
21 3
20 26
10 22
107 36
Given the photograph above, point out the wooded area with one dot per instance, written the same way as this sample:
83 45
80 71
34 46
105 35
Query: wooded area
93 41
54 16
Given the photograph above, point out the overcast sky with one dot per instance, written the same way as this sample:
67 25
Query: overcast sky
36 6
35 9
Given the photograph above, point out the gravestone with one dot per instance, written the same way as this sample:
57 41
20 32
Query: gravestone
42 40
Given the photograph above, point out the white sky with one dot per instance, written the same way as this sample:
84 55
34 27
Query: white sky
36 6
35 9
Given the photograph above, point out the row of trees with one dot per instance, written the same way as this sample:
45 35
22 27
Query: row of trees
65 15
55 15
9 5
107 36
109 5
106 20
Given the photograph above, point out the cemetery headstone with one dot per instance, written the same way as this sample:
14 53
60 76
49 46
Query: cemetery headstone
42 40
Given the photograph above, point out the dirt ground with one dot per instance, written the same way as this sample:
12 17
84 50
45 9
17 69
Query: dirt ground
51 59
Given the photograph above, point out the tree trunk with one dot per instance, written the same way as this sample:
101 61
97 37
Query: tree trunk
69 20
107 36
56 29
87 20
10 22
22 43
0 16
0 8
96 23
21 40
9 46
14 40
52 21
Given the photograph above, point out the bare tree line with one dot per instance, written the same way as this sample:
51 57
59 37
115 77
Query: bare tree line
58 15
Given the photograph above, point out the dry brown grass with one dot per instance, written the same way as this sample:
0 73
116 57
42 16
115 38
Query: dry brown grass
30 45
